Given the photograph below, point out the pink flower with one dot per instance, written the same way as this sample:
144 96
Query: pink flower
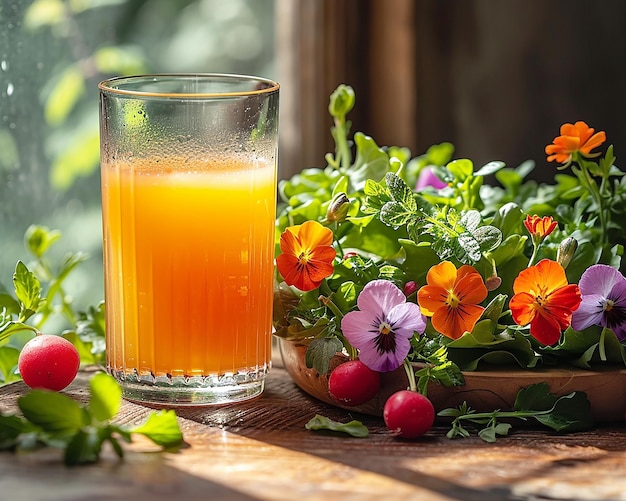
427 178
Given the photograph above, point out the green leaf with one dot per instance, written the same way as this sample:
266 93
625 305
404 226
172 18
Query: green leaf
490 433
470 220
55 413
371 162
27 290
65 93
8 364
536 397
485 346
570 413
494 309
11 427
567 413
119 60
489 169
395 214
84 446
488 237
44 13
161 428
508 219
461 169
320 351
353 428
79 158
70 262
106 396
400 192
346 295
39 239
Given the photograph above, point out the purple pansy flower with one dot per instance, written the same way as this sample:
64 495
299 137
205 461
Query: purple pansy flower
383 327
603 291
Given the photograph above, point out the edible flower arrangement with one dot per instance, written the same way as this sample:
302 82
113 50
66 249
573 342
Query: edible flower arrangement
430 262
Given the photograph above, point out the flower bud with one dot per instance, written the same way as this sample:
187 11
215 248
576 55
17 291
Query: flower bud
540 227
338 208
493 282
341 101
566 251
409 288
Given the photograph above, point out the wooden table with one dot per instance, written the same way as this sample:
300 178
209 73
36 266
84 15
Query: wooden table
260 450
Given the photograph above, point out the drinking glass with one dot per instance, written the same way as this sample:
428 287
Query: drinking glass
188 171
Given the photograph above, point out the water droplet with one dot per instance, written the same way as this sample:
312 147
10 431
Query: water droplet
4 65
10 89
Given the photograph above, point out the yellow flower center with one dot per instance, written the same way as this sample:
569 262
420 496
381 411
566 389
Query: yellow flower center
384 328
452 300
608 305
304 257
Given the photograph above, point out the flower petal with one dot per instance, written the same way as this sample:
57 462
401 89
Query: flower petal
470 287
386 361
590 312
521 306
313 234
545 329
379 297
454 322
431 298
360 328
406 319
443 275
546 276
599 279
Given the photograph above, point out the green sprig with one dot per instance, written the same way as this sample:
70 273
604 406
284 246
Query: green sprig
567 413
52 419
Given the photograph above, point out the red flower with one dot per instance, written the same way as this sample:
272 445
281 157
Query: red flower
544 299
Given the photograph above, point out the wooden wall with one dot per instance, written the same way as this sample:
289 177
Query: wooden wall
495 77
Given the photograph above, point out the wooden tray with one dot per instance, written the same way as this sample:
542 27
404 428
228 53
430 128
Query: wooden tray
484 391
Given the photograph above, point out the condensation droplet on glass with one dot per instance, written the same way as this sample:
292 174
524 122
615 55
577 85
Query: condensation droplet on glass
4 65
10 89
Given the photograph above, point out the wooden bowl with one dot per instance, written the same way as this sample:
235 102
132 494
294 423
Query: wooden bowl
484 390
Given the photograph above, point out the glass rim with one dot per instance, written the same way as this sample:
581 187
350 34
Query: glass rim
107 85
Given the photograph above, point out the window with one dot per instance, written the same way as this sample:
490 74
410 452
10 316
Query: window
53 53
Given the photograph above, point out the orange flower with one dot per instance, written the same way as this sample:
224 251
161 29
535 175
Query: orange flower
544 299
540 227
574 137
307 255
451 298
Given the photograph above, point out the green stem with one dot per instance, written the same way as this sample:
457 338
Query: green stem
344 156
533 258
410 375
326 301
596 195
500 414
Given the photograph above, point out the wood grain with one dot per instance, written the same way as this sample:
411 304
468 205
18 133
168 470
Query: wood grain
260 450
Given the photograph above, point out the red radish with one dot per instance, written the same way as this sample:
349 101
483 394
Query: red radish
49 362
409 414
353 383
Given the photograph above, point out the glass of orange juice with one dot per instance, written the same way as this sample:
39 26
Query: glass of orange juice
188 169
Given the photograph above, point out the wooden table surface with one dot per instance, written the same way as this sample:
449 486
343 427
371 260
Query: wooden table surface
260 450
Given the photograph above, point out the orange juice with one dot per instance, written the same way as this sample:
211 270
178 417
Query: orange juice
189 251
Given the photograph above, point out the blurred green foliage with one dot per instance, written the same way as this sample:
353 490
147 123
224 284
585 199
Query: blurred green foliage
53 53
